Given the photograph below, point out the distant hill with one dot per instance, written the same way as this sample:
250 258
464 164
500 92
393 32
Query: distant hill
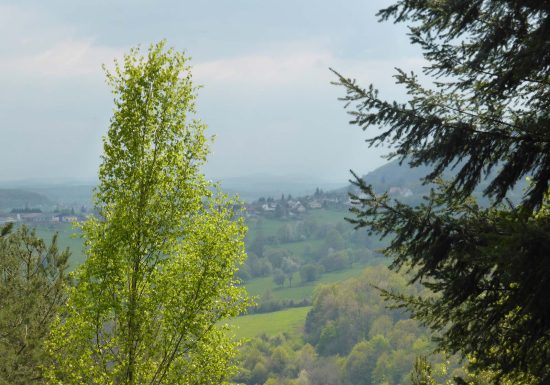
395 175
406 182
19 198
66 195
252 187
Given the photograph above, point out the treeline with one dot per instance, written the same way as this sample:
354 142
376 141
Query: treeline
326 248
350 338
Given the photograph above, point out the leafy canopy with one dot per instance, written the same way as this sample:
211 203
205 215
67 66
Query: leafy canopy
163 251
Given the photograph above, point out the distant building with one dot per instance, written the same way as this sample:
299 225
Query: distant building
268 207
400 191
315 204
7 219
68 218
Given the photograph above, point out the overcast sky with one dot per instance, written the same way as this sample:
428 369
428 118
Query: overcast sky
263 64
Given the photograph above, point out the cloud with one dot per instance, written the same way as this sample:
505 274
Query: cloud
262 69
63 59
298 66
37 47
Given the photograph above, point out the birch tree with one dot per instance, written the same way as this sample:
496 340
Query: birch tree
162 253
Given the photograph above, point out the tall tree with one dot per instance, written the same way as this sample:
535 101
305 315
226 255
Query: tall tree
163 252
33 281
486 114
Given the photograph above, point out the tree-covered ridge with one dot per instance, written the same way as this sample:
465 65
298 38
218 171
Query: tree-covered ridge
350 337
19 198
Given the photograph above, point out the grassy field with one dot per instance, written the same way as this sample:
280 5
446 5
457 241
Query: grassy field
288 321
298 248
269 227
68 237
258 287
330 216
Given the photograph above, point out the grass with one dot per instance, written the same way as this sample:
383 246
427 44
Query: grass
330 216
67 237
289 321
271 226
268 227
299 248
259 286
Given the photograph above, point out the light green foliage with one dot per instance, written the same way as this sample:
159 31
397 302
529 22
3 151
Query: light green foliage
352 338
33 280
162 255
425 373
343 314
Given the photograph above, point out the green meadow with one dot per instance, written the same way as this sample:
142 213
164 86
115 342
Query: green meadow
68 236
289 321
262 287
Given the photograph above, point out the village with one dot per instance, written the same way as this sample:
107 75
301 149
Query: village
36 216
286 207
290 207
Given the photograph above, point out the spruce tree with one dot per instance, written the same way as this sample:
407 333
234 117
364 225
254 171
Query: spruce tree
487 115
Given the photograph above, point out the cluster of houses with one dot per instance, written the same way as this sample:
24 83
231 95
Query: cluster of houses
289 207
36 216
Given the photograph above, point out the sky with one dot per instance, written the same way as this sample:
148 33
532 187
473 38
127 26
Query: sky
263 66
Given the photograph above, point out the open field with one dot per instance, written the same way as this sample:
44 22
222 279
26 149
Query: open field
270 226
68 236
330 216
258 287
288 321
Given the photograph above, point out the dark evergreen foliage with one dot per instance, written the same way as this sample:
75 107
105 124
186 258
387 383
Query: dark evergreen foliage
489 268
488 109
487 114
33 280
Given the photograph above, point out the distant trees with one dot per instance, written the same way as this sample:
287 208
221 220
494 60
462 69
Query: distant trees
279 277
163 252
33 282
310 272
336 261
486 114
288 244
351 338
